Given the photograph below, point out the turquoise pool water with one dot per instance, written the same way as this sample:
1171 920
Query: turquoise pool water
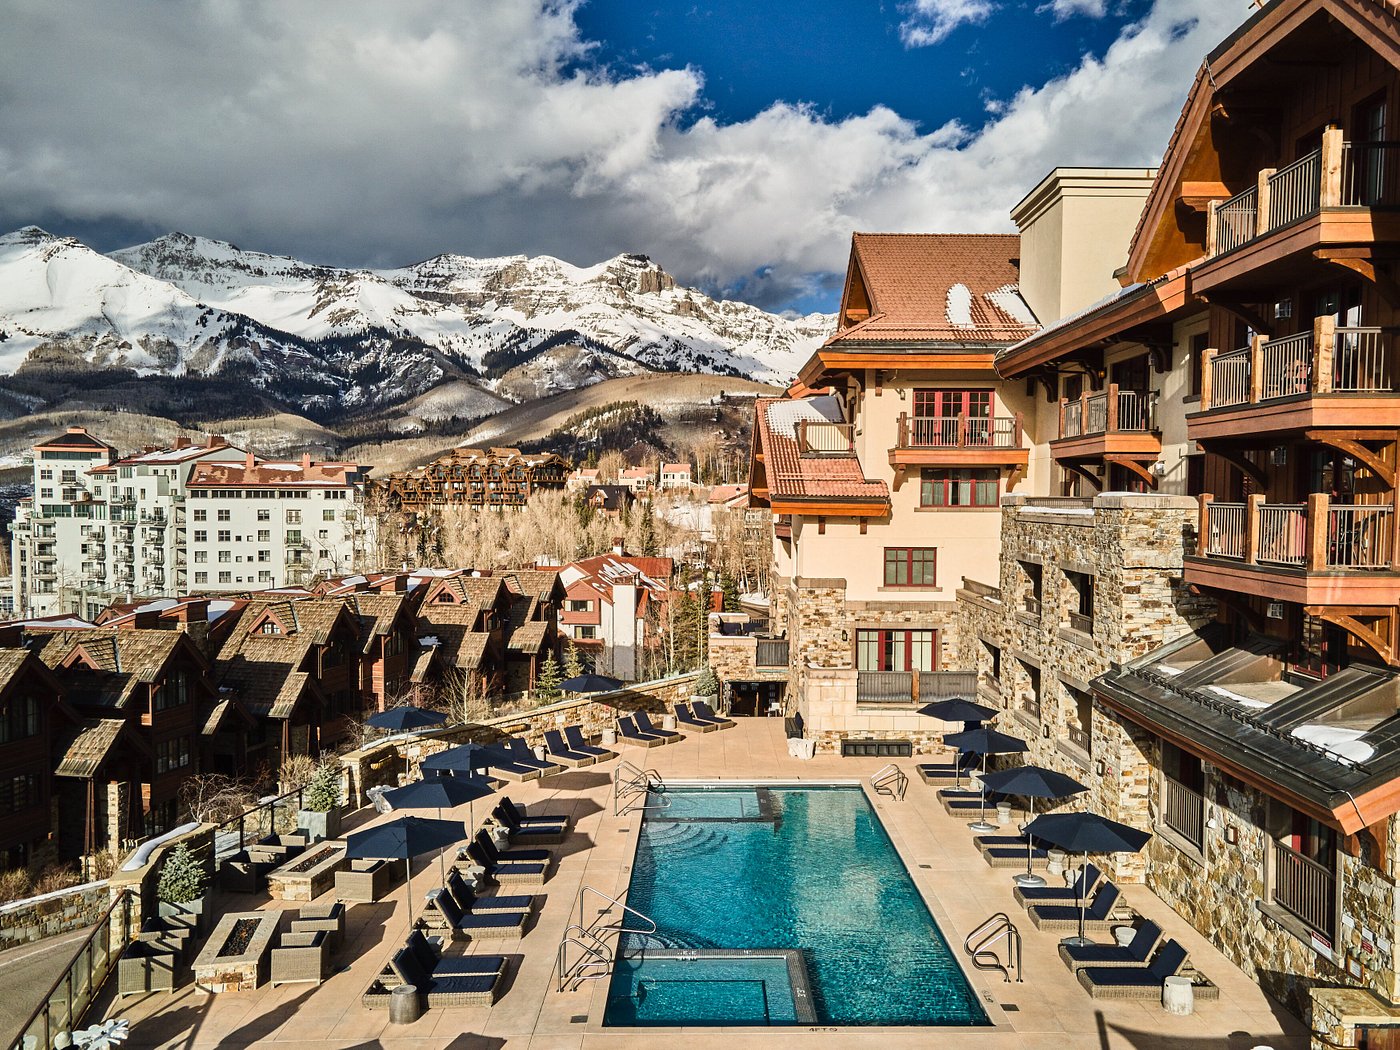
771 869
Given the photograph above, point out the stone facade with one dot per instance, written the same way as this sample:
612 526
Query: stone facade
36 918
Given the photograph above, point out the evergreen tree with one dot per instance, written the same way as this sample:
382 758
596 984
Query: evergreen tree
649 545
573 663
547 681
729 587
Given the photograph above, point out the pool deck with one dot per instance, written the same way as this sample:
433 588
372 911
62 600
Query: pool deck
1049 1011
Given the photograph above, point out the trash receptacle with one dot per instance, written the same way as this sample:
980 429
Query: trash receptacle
405 1005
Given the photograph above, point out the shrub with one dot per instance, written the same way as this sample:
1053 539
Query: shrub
708 683
323 789
182 877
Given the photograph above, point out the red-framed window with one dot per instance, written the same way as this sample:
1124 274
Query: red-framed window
960 487
911 566
972 403
878 649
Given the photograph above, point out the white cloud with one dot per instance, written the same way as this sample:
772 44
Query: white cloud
930 21
1063 9
372 133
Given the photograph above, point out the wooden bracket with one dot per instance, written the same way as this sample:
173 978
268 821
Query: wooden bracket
1137 466
1349 442
1346 617
1253 318
1085 473
1240 461
1365 266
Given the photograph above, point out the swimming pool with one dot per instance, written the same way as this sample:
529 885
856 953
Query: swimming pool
741 879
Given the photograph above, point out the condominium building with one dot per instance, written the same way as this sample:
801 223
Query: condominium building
102 528
612 610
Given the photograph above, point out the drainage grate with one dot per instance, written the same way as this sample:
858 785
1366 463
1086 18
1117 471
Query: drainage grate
1010 1008
926 865
578 1019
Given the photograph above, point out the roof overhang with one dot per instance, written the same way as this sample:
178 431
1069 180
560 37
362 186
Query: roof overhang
856 357
830 508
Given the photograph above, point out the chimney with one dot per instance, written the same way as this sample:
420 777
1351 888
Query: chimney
182 441
618 548
192 618
146 620
306 461
216 441
77 430
249 461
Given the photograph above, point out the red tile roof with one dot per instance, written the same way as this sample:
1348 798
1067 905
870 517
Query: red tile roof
792 475
238 474
938 287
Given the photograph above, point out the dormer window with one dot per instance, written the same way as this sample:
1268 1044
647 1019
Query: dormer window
270 627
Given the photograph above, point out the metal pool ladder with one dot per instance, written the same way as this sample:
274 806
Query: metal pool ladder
631 785
890 780
981 941
585 952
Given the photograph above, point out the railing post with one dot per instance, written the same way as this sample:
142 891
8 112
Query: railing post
1111 410
1318 528
1256 368
1063 403
1207 367
1203 522
1261 202
1017 430
1211 222
1324 347
1330 165
1251 528
901 441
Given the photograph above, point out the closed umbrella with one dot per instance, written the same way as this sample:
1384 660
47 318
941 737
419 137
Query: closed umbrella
404 838
1086 833
985 742
958 709
1033 782
441 793
590 683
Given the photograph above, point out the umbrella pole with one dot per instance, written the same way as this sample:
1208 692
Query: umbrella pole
1030 878
982 826
1081 940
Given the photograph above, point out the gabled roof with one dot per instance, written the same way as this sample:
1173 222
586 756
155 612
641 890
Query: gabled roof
539 583
270 671
85 749
795 479
103 667
528 637
377 613
238 474
458 644
76 438
933 288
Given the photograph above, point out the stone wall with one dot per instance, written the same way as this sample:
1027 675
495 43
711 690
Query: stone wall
381 764
36 918
142 881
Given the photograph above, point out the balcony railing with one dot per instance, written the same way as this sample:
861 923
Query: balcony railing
1031 604
1325 360
1081 622
1236 221
1370 174
896 687
1114 411
959 431
818 437
1295 191
1304 888
1184 811
771 652
1316 536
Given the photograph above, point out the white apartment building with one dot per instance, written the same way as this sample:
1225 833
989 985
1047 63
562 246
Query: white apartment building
675 476
177 520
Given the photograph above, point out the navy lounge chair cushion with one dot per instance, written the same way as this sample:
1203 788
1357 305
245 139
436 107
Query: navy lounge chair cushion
685 716
1137 950
509 855
1097 911
1169 959
577 741
644 723
1086 880
494 866
703 709
517 817
556 744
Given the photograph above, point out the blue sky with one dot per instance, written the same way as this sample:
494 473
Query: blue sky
736 142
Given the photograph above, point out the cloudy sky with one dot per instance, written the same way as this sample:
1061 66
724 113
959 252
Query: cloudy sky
738 143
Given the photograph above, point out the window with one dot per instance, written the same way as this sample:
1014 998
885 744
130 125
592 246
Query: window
945 403
992 662
201 536
18 792
265 576
201 577
294 517
1080 721
1033 576
590 632
225 515
960 487
201 557
1081 601
226 577
201 514
264 555
895 650
264 514
225 535
322 534
910 566
328 514
172 754
270 627
1303 868
264 535
20 719
46 475
579 605
173 692
225 557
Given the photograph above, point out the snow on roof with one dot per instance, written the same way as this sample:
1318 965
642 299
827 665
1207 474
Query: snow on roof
1338 741
960 305
783 416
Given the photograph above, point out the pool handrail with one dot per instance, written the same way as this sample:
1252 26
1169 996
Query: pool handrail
629 781
987 934
891 781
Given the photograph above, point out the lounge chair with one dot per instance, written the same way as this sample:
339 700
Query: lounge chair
544 834
467 899
1065 917
433 962
966 804
573 735
999 856
448 989
1134 982
644 723
442 912
523 754
955 769
686 717
702 709
514 873
1135 953
1081 889
507 856
562 753
627 730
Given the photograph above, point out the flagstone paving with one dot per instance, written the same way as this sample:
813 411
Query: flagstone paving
1048 1010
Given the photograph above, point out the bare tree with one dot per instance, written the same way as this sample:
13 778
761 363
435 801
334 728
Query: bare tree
212 798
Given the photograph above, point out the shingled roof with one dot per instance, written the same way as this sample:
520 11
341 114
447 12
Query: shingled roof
85 749
266 670
105 666
933 287
790 474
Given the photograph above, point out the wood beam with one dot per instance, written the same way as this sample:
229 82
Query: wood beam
1353 447
1366 267
1237 459
1085 473
1253 318
1383 646
1137 466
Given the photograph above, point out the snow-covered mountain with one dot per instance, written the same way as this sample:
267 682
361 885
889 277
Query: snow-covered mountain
347 340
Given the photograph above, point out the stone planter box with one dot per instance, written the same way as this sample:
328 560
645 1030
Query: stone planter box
224 966
307 875
318 825
188 910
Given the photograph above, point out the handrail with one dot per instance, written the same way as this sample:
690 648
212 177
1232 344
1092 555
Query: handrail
995 928
96 976
591 939
629 781
594 926
891 781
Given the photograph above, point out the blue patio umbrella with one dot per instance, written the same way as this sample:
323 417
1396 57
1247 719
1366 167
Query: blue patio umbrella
985 742
1086 833
404 838
441 793
1033 782
464 758
405 718
958 709
590 683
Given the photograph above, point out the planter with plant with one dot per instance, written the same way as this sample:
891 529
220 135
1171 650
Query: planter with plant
181 886
320 811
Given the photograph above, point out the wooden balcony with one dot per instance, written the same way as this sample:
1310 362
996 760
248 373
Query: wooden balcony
1320 202
1325 378
1312 554
1111 426
959 441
